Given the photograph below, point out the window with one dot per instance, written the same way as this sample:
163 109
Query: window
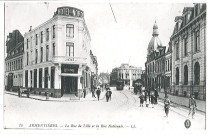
27 42
185 47
31 41
36 39
53 31
70 30
185 75
54 49
177 76
36 56
41 54
197 41
14 65
47 52
41 36
168 65
177 51
69 49
47 34
21 63
196 73
27 58
26 78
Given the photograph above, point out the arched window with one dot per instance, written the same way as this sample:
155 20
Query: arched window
177 76
196 73
185 75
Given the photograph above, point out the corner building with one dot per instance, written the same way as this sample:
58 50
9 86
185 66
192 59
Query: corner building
189 52
58 55
14 61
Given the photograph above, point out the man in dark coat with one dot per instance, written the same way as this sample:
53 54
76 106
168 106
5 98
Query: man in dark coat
156 96
98 93
84 91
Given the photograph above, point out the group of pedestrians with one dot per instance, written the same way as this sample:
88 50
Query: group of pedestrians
148 97
152 98
98 92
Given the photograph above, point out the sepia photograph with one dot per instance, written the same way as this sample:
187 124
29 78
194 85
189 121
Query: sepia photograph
104 67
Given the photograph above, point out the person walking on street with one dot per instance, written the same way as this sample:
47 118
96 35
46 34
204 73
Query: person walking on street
192 106
156 96
93 92
84 91
107 95
98 93
110 93
141 99
166 105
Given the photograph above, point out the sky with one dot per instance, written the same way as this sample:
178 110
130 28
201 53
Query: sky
124 40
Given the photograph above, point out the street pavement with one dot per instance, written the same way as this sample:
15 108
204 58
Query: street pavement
122 112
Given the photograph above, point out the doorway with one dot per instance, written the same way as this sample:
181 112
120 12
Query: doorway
68 85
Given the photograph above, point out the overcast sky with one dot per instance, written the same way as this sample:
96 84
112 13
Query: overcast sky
113 43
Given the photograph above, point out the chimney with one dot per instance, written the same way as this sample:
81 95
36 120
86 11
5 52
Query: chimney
30 28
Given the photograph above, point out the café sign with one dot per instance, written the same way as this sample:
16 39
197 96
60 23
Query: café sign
69 11
72 69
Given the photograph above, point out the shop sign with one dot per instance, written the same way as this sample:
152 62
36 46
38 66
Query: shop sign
73 69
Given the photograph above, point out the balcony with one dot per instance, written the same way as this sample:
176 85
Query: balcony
69 60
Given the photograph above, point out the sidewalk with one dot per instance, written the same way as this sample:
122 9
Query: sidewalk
62 99
184 101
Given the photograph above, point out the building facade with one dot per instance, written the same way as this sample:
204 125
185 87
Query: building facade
155 64
126 73
189 52
14 61
58 54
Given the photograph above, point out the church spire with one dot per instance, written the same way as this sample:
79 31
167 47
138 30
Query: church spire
155 30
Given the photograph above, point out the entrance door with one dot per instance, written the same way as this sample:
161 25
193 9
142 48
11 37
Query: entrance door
68 85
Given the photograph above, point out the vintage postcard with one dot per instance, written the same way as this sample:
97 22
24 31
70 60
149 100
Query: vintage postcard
99 68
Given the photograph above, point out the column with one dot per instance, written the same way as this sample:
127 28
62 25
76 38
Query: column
33 78
57 78
23 78
37 77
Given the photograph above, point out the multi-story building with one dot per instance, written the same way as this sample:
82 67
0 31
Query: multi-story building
14 60
126 73
155 64
168 70
189 52
58 54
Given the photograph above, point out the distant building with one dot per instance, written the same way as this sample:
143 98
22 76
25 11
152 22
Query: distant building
14 60
124 73
189 52
58 55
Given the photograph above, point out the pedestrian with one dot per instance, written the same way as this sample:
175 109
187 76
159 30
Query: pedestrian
84 91
152 99
156 96
141 99
192 106
98 93
107 95
110 93
166 105
93 92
